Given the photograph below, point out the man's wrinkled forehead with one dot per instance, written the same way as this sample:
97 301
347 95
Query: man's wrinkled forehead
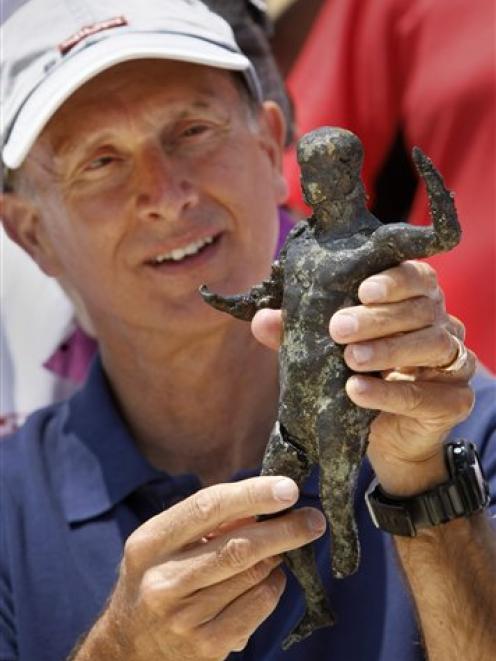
181 79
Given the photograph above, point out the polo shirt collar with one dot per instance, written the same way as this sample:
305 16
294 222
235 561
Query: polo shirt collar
98 463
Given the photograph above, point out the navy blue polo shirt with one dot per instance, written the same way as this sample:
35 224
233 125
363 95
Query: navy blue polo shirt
74 486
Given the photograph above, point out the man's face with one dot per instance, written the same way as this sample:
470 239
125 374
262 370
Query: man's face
152 179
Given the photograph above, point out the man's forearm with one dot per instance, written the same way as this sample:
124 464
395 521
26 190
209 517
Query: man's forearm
103 641
451 571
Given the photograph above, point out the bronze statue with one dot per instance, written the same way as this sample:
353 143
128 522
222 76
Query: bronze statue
321 265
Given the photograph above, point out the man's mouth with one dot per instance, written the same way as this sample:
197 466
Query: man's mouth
186 253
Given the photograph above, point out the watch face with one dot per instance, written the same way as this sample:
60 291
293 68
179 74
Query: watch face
481 481
465 462
478 472
261 5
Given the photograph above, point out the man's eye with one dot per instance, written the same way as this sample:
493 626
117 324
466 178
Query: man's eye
197 129
101 162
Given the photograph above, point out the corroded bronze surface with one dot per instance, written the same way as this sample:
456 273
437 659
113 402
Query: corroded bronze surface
322 263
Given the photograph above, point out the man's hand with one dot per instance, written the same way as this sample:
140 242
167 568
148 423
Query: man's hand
198 579
403 331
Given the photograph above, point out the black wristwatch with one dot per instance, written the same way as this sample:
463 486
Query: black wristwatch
465 493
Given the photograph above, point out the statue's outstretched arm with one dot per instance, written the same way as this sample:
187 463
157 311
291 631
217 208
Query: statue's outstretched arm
267 294
410 241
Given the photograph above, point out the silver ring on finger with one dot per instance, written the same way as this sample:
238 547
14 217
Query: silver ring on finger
460 359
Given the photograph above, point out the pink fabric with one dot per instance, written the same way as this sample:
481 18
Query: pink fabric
286 223
72 358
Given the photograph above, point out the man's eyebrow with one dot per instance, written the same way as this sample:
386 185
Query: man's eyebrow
202 104
177 110
73 143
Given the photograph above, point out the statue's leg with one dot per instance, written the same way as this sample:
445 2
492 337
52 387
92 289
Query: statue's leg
342 432
283 457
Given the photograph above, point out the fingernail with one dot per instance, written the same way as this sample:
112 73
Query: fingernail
373 290
316 520
358 384
344 324
285 490
362 353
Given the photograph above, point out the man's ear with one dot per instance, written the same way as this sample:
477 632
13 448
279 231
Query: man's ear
274 131
22 224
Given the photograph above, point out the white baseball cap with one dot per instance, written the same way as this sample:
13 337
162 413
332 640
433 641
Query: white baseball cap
50 49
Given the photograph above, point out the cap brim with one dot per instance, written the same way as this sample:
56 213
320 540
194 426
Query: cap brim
80 67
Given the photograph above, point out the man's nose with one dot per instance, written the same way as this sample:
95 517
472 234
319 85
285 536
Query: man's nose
163 189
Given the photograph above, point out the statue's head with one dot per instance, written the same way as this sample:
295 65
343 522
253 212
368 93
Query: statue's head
331 161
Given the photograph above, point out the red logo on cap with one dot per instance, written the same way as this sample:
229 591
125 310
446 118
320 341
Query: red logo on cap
88 30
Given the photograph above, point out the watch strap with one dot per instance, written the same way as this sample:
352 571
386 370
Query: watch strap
465 493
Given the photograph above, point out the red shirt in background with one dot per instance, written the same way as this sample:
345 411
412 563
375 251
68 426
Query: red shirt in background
428 69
